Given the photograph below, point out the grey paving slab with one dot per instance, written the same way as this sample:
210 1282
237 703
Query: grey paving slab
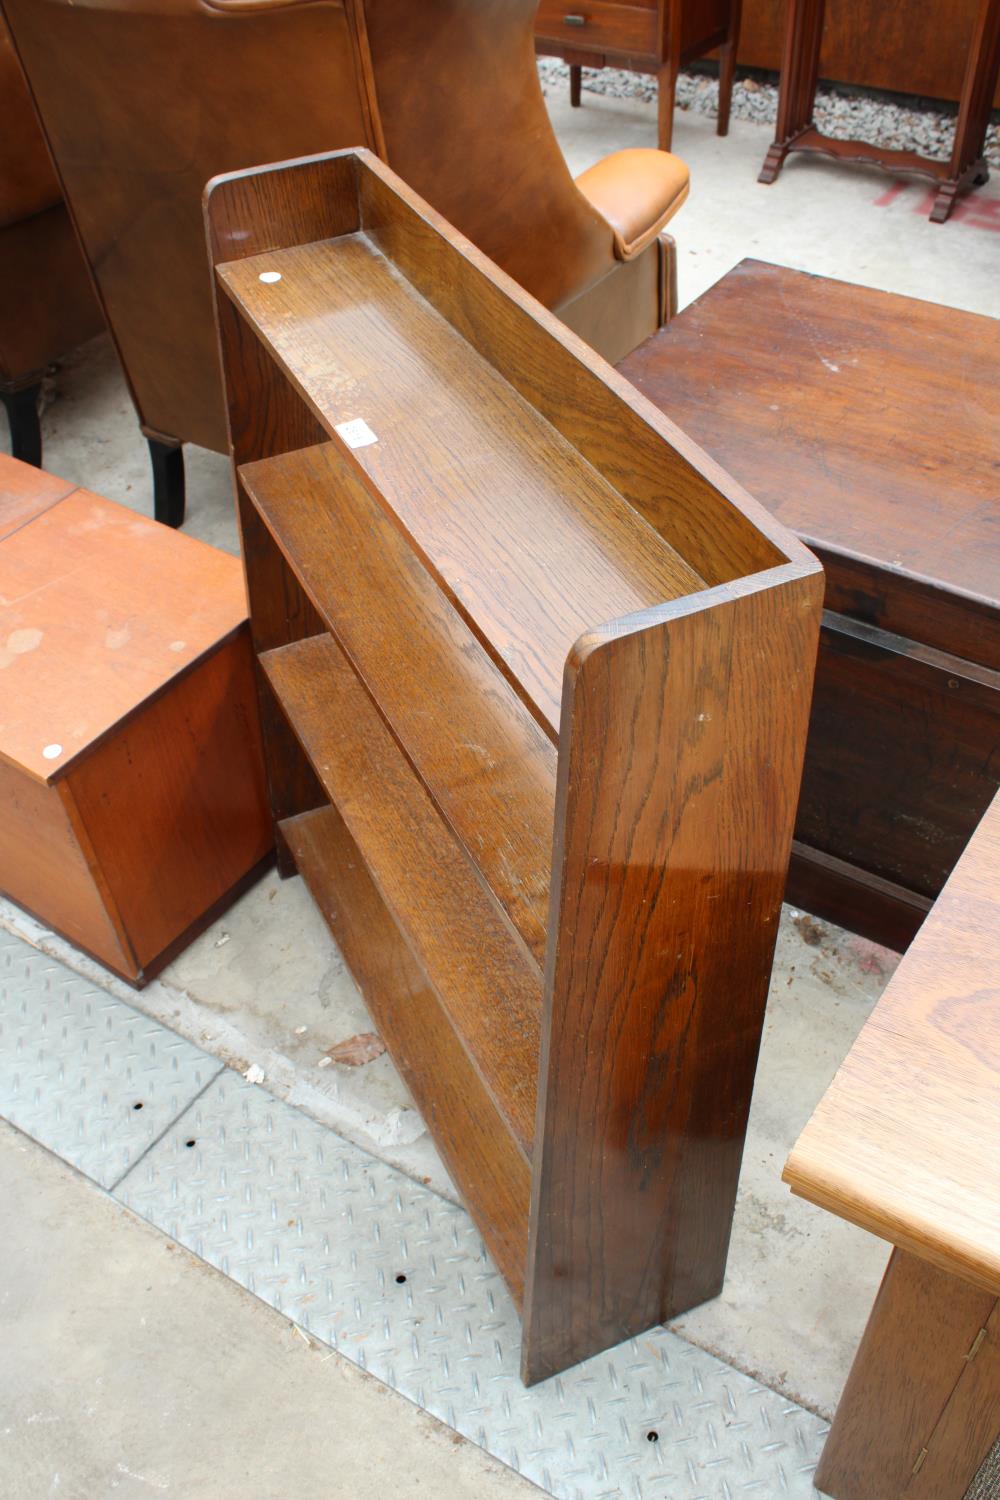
397 1279
83 1073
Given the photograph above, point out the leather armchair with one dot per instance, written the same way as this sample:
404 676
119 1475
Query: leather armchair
144 100
47 304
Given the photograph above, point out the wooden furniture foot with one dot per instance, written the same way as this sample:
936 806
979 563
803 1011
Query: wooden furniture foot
727 69
25 426
665 96
575 84
168 481
921 1408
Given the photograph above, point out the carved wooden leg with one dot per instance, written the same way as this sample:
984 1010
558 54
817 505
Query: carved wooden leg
727 68
168 481
921 1408
666 93
25 426
575 84
799 76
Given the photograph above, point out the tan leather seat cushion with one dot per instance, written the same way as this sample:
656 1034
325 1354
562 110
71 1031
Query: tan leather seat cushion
28 183
637 191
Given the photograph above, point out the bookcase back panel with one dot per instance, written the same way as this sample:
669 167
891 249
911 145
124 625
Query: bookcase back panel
532 544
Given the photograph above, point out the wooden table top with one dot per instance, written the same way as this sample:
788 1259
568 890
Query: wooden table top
99 609
906 1141
867 422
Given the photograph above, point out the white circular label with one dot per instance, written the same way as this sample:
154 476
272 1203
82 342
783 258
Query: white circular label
52 752
270 276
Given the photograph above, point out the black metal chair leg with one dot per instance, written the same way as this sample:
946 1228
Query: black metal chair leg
25 426
168 481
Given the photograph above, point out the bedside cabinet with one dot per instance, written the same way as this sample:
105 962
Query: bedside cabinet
644 36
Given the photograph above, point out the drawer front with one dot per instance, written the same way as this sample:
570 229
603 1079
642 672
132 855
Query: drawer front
599 26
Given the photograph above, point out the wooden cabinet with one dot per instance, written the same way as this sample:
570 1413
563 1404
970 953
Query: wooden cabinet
645 36
535 684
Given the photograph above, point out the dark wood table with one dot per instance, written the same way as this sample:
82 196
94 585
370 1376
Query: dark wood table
869 423
796 128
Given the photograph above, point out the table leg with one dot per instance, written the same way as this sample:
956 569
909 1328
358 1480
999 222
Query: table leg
921 1408
981 72
575 84
799 76
727 67
666 93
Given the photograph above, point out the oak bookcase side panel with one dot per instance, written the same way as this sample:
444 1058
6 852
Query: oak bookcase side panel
684 731
285 203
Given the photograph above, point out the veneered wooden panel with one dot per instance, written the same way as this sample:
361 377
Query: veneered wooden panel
174 803
904 1142
479 1151
820 407
43 868
99 609
25 492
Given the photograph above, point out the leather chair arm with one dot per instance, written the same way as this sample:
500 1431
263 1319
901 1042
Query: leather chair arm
637 192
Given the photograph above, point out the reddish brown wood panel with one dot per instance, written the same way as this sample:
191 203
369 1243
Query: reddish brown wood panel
25 492
906 1427
676 801
44 869
909 47
174 804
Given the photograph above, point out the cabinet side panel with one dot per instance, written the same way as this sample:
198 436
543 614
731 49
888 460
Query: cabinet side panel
43 868
677 796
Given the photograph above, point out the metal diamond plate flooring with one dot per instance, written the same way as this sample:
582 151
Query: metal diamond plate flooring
371 1262
397 1279
85 1075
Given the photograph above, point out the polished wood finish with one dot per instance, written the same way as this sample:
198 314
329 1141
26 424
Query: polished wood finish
133 802
645 36
921 1408
796 129
909 47
903 1144
562 629
820 409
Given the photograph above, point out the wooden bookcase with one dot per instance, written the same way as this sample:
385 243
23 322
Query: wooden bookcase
535 681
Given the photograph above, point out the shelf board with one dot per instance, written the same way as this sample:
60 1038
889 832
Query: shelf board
479 1151
530 542
487 986
486 764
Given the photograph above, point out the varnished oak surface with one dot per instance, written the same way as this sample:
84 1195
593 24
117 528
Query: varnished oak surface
495 782
359 343
489 989
530 629
868 422
83 636
905 1140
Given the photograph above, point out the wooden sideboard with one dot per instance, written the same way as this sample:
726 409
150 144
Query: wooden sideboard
535 687
645 36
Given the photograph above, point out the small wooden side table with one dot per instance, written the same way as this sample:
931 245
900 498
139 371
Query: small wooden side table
643 36
796 129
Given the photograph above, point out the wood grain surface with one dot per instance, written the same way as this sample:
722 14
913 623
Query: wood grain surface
921 1407
904 1142
488 988
495 781
25 492
99 609
820 405
360 345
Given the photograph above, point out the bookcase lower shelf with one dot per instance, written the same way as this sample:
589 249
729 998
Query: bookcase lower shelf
534 683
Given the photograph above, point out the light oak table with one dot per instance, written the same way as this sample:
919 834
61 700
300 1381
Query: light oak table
906 1143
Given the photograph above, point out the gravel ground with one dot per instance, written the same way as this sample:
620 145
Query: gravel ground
850 116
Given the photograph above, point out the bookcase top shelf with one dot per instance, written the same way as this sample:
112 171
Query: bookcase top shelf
531 543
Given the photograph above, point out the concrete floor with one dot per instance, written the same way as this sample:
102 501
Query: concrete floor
265 986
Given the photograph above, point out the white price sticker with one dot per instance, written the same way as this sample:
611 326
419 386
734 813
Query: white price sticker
356 434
